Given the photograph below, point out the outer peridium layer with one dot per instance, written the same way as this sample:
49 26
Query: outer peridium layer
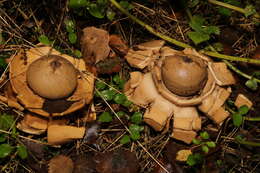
33 102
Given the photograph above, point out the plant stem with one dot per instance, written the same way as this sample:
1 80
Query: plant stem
252 118
230 58
183 45
178 43
148 27
229 6
240 72
250 143
232 7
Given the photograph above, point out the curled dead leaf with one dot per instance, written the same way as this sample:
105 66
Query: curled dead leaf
94 45
118 45
120 161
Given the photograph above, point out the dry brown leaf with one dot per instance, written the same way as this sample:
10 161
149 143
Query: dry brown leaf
94 45
109 66
118 45
120 161
61 164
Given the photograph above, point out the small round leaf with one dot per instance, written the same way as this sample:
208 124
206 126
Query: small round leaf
5 150
125 139
22 151
105 117
237 119
72 37
136 118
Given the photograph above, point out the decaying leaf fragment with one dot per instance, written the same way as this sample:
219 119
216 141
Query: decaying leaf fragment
121 161
118 45
94 45
61 164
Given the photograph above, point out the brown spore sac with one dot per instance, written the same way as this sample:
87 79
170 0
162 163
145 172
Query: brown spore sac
183 75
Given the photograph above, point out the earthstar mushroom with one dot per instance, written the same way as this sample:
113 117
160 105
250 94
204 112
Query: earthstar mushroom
48 84
176 85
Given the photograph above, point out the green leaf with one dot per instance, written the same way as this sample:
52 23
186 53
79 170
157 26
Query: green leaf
239 138
72 37
127 103
126 5
256 74
77 53
102 2
6 121
14 133
3 64
191 161
70 25
5 150
211 30
108 94
136 118
250 9
116 79
44 40
211 144
198 37
243 110
110 14
196 141
22 151
204 135
100 85
2 137
120 98
205 148
135 131
196 23
194 159
96 11
224 11
217 46
135 136
125 139
219 163
237 119
120 82
105 117
78 3
120 114
252 84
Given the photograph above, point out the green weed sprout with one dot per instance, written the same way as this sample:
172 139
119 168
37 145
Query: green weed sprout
205 144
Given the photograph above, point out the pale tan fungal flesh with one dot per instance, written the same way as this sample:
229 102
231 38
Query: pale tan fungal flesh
242 100
160 91
59 134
